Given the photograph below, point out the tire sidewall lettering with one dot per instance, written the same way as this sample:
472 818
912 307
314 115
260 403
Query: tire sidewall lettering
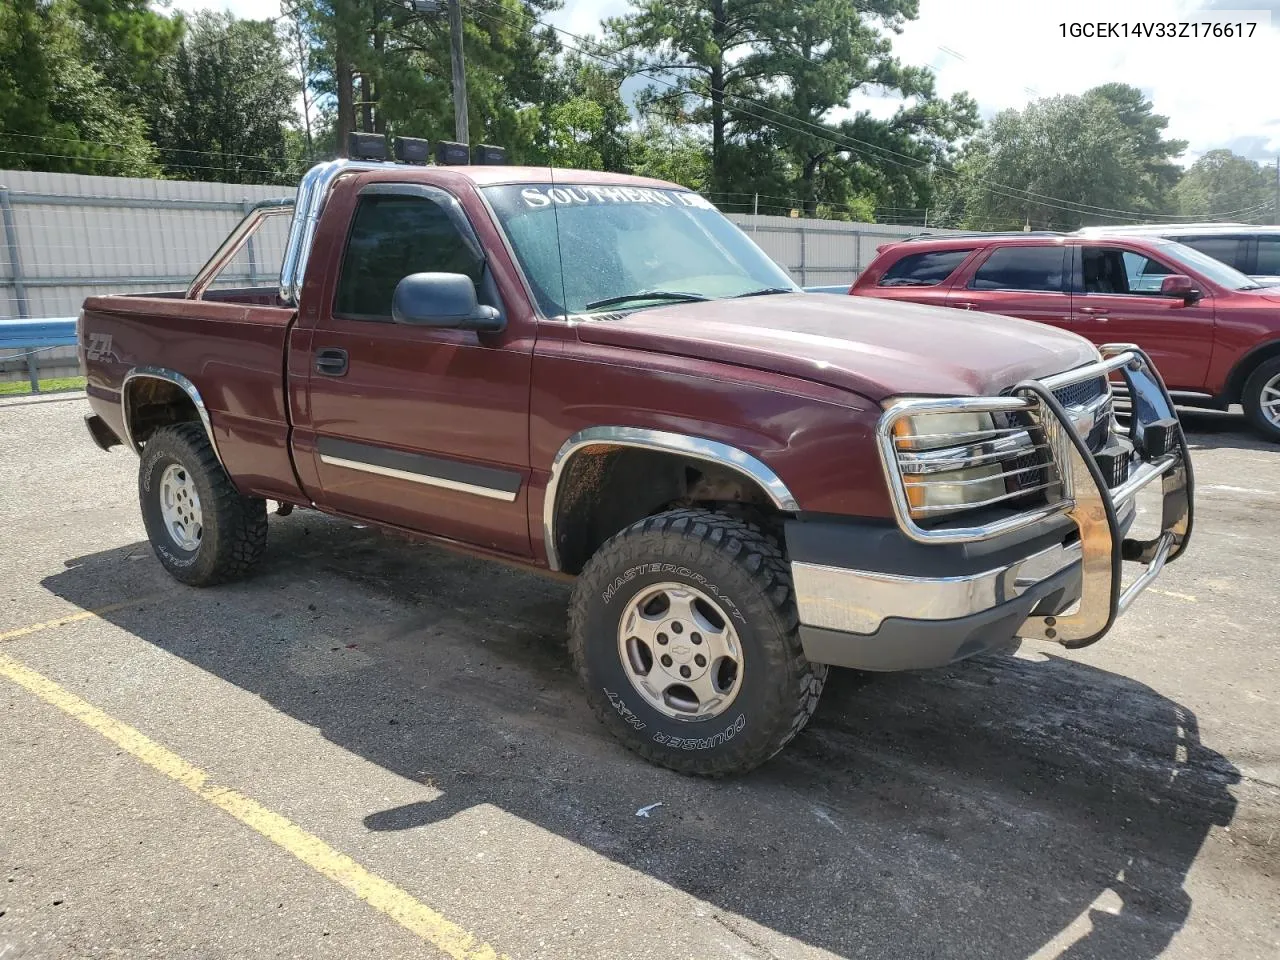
677 570
703 743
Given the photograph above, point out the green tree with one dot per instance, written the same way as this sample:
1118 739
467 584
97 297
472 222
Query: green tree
1222 184
668 151
767 78
1064 162
130 44
57 111
1146 128
230 104
387 70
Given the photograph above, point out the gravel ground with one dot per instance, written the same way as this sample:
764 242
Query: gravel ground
415 711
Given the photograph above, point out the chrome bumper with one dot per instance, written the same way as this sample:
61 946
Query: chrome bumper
859 602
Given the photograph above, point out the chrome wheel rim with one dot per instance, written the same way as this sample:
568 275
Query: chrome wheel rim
1270 400
680 651
180 507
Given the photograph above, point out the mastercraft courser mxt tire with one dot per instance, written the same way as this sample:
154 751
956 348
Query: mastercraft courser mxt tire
1260 390
737 583
213 534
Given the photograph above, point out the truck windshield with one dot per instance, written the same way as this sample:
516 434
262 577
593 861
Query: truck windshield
584 247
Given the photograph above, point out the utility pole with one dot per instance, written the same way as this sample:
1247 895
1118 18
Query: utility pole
461 126
459 73
1276 213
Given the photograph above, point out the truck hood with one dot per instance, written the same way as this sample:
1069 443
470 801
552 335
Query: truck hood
873 347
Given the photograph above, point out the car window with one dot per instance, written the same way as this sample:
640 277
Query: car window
1021 268
392 237
1110 270
926 269
1268 257
1226 249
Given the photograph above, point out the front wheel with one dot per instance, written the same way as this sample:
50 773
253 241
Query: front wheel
684 631
202 530
1261 399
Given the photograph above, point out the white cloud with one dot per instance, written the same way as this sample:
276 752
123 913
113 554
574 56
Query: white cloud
583 16
1007 52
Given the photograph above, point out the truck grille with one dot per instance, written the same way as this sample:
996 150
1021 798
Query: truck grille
1079 394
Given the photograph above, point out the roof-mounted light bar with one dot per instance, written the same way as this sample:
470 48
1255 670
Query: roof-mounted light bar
487 155
366 146
412 150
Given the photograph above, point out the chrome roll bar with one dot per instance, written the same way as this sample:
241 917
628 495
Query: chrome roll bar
238 237
313 191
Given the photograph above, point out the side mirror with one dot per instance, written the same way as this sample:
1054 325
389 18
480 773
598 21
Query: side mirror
445 300
1180 286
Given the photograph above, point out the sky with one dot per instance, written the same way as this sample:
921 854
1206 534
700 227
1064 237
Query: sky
1004 53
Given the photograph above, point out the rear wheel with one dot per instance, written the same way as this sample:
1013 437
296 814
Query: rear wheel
684 632
201 528
1261 399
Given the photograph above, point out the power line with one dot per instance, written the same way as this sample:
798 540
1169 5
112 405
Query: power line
825 135
123 146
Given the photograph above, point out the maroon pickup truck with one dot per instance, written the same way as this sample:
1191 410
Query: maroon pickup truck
600 375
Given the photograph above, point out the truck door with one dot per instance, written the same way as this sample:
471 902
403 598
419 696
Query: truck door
1117 299
419 427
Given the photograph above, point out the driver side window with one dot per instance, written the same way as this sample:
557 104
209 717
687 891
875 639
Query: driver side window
1108 270
391 237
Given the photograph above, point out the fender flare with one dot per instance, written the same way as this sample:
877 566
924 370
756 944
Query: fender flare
698 448
178 380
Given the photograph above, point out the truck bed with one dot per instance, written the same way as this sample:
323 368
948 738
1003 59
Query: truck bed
230 346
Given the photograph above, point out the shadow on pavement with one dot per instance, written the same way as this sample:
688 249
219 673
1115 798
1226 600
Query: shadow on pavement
989 810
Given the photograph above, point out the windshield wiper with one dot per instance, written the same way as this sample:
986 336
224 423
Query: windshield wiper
763 292
672 295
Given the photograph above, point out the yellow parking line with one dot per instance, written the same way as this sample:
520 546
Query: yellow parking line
72 618
380 894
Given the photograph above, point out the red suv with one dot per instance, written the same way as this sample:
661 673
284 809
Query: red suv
1213 333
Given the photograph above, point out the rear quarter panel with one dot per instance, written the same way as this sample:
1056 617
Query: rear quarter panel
232 352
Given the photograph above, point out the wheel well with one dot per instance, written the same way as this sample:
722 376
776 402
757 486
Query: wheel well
151 403
605 489
1245 367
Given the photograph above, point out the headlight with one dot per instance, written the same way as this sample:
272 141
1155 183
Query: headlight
953 461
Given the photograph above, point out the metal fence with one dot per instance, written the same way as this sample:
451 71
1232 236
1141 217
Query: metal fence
66 237
822 252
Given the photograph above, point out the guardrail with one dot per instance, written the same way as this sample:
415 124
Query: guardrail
34 337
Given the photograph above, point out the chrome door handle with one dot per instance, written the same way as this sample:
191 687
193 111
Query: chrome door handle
1095 311
963 304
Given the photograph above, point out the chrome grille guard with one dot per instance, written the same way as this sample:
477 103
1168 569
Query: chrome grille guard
1081 493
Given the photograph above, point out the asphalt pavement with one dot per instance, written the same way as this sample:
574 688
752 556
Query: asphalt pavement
376 748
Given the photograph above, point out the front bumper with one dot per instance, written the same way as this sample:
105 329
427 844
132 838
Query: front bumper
879 597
